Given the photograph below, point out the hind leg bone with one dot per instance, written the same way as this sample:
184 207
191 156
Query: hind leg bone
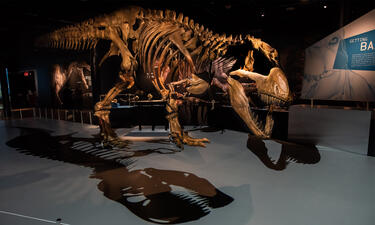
178 136
102 111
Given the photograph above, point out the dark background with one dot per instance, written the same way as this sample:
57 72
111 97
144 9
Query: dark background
288 25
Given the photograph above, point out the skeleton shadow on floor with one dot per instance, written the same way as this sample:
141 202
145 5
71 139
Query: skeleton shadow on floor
290 153
158 196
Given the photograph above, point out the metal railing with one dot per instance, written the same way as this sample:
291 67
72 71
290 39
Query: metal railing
73 115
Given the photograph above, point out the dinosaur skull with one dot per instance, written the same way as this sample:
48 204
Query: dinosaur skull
272 89
263 90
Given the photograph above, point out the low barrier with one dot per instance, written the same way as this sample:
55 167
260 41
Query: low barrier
73 115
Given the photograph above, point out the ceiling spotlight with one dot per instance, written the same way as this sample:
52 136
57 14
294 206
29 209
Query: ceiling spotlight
325 6
262 14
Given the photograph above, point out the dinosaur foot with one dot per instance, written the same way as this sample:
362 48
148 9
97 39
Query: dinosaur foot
115 143
185 139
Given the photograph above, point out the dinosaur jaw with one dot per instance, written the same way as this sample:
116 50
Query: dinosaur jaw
240 104
272 89
268 99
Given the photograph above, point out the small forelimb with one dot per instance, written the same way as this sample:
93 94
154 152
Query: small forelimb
173 84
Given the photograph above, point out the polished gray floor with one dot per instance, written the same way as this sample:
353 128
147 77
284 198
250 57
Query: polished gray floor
303 185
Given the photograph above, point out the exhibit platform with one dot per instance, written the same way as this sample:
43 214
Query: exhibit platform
153 113
53 170
344 128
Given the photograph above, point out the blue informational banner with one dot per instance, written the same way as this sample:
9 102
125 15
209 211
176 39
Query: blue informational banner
356 53
341 66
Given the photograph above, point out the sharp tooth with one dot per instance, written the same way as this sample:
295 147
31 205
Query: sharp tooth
252 114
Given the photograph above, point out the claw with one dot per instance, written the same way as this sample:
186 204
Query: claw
194 141
185 139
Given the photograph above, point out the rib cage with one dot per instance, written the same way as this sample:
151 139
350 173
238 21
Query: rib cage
157 50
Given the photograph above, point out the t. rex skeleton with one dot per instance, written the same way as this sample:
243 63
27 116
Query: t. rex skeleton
182 60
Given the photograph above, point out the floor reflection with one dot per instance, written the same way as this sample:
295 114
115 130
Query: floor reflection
290 152
159 196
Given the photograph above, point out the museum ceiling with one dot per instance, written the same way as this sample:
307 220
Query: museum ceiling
23 21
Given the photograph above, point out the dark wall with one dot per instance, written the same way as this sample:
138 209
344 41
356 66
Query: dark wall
34 61
42 60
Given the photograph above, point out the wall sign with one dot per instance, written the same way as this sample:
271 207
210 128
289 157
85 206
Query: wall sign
356 53
342 65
